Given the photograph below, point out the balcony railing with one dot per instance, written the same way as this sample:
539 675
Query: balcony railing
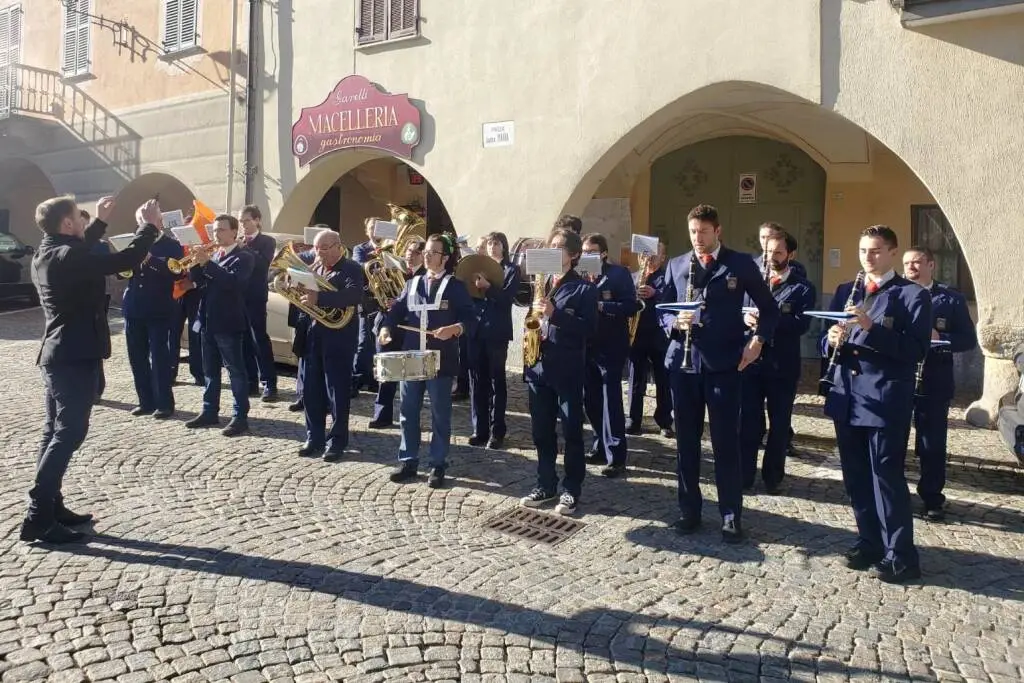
924 12
33 92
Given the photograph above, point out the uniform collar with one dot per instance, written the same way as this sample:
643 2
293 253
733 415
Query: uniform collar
882 281
784 276
228 249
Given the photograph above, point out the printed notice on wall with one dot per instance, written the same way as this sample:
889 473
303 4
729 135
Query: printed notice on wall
748 188
500 134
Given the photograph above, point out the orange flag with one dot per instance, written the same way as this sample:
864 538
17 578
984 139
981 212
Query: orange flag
202 215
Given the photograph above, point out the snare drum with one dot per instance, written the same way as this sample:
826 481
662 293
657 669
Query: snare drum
398 366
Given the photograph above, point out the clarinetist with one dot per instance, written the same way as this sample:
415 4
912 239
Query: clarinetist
870 400
720 351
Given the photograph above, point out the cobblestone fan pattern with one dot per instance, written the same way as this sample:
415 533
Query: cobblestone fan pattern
221 559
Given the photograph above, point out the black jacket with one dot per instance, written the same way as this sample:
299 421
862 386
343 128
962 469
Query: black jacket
72 286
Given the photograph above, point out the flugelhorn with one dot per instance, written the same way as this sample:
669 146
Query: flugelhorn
188 262
826 383
332 318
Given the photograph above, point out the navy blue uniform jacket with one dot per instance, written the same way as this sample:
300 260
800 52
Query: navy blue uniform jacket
570 329
149 294
617 302
361 253
456 307
795 266
952 320
780 357
347 278
650 318
718 343
72 285
874 374
494 319
263 247
223 286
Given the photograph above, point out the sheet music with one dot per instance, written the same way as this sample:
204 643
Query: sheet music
309 234
543 262
644 244
385 230
590 264
304 278
173 219
120 242
188 235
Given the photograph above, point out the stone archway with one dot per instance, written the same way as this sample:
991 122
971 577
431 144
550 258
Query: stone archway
173 195
23 186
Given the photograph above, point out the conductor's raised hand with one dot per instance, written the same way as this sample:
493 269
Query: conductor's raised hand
384 336
104 207
150 212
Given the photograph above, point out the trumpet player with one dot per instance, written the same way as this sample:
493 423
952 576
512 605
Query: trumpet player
327 353
951 322
770 382
720 349
148 307
870 401
568 314
222 278
647 354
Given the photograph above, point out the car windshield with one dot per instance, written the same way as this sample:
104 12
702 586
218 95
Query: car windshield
9 243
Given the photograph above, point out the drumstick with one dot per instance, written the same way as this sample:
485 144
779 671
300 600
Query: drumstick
415 329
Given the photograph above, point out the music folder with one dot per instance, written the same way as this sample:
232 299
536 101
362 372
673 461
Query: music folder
304 278
188 235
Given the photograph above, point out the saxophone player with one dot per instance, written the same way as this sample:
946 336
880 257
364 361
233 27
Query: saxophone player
555 381
871 400
648 353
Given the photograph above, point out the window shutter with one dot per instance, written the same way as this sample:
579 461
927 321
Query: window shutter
372 21
7 18
405 17
172 25
75 59
189 27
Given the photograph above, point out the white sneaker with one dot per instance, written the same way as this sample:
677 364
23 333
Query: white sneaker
566 504
537 498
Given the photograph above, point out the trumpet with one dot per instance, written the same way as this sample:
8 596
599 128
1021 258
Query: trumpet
531 335
826 383
188 262
634 322
332 318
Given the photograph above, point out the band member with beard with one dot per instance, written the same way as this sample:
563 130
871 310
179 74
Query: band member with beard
384 405
555 381
259 354
452 318
326 352
871 400
773 378
770 229
606 359
648 353
488 348
951 323
720 350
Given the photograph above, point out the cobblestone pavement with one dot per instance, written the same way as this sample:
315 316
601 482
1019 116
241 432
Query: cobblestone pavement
221 559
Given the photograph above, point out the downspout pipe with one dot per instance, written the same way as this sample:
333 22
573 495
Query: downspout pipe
253 101
231 107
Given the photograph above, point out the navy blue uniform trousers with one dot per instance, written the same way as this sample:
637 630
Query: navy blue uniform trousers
488 387
149 355
648 356
931 422
326 389
547 407
759 389
259 354
602 400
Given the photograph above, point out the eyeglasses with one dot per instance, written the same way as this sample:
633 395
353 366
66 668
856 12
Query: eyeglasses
434 252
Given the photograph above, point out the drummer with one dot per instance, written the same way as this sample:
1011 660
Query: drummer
449 314
488 347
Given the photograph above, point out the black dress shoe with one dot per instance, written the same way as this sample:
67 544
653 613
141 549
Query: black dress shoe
634 431
773 489
56 533
69 518
269 395
934 514
732 530
162 413
202 420
296 406
380 424
668 433
404 472
496 442
596 456
458 396
333 455
613 471
436 479
309 450
687 524
859 558
254 390
238 425
141 411
477 441
894 571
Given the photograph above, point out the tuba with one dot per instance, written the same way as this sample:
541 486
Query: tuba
331 318
531 333
634 322
385 271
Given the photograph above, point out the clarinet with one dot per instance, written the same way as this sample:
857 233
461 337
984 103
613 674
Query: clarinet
826 381
690 294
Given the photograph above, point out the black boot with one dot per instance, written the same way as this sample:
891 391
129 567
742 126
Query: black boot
55 533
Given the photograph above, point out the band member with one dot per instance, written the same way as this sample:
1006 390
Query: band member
384 405
951 323
149 311
259 355
488 348
326 353
71 282
773 378
770 229
555 381
648 353
871 399
452 317
362 368
223 278
719 350
606 359
569 222
307 256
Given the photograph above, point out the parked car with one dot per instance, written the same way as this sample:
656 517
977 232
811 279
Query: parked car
16 271
1011 418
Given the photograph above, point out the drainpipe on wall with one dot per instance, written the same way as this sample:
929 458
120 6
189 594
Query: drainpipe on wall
231 105
252 100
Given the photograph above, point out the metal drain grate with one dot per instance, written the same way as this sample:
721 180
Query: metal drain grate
534 526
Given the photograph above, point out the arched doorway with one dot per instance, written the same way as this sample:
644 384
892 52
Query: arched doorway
23 186
171 192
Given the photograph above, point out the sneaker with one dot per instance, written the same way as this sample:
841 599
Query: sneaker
687 524
613 471
496 442
237 425
296 406
537 498
894 571
202 420
732 532
667 433
137 412
477 440
404 472
859 558
269 395
566 504
934 514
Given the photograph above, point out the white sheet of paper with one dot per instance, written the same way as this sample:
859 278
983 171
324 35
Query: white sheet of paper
544 261
309 234
188 235
644 244
304 278
173 219
385 230
590 264
119 242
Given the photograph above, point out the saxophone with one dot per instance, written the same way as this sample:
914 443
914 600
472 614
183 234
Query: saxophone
634 322
825 383
532 325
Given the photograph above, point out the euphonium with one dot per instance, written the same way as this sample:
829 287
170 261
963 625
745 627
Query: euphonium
332 318
385 273
634 322
532 324
825 383
179 266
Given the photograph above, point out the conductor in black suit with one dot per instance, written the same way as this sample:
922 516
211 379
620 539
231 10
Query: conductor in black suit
71 280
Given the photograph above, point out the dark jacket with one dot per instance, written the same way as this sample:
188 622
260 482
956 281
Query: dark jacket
494 311
616 304
456 307
223 285
874 374
149 294
361 253
952 320
780 356
795 266
72 286
347 278
649 332
571 327
263 247
718 343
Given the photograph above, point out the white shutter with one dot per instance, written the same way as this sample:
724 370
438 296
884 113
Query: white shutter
372 26
6 41
403 19
181 24
75 59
